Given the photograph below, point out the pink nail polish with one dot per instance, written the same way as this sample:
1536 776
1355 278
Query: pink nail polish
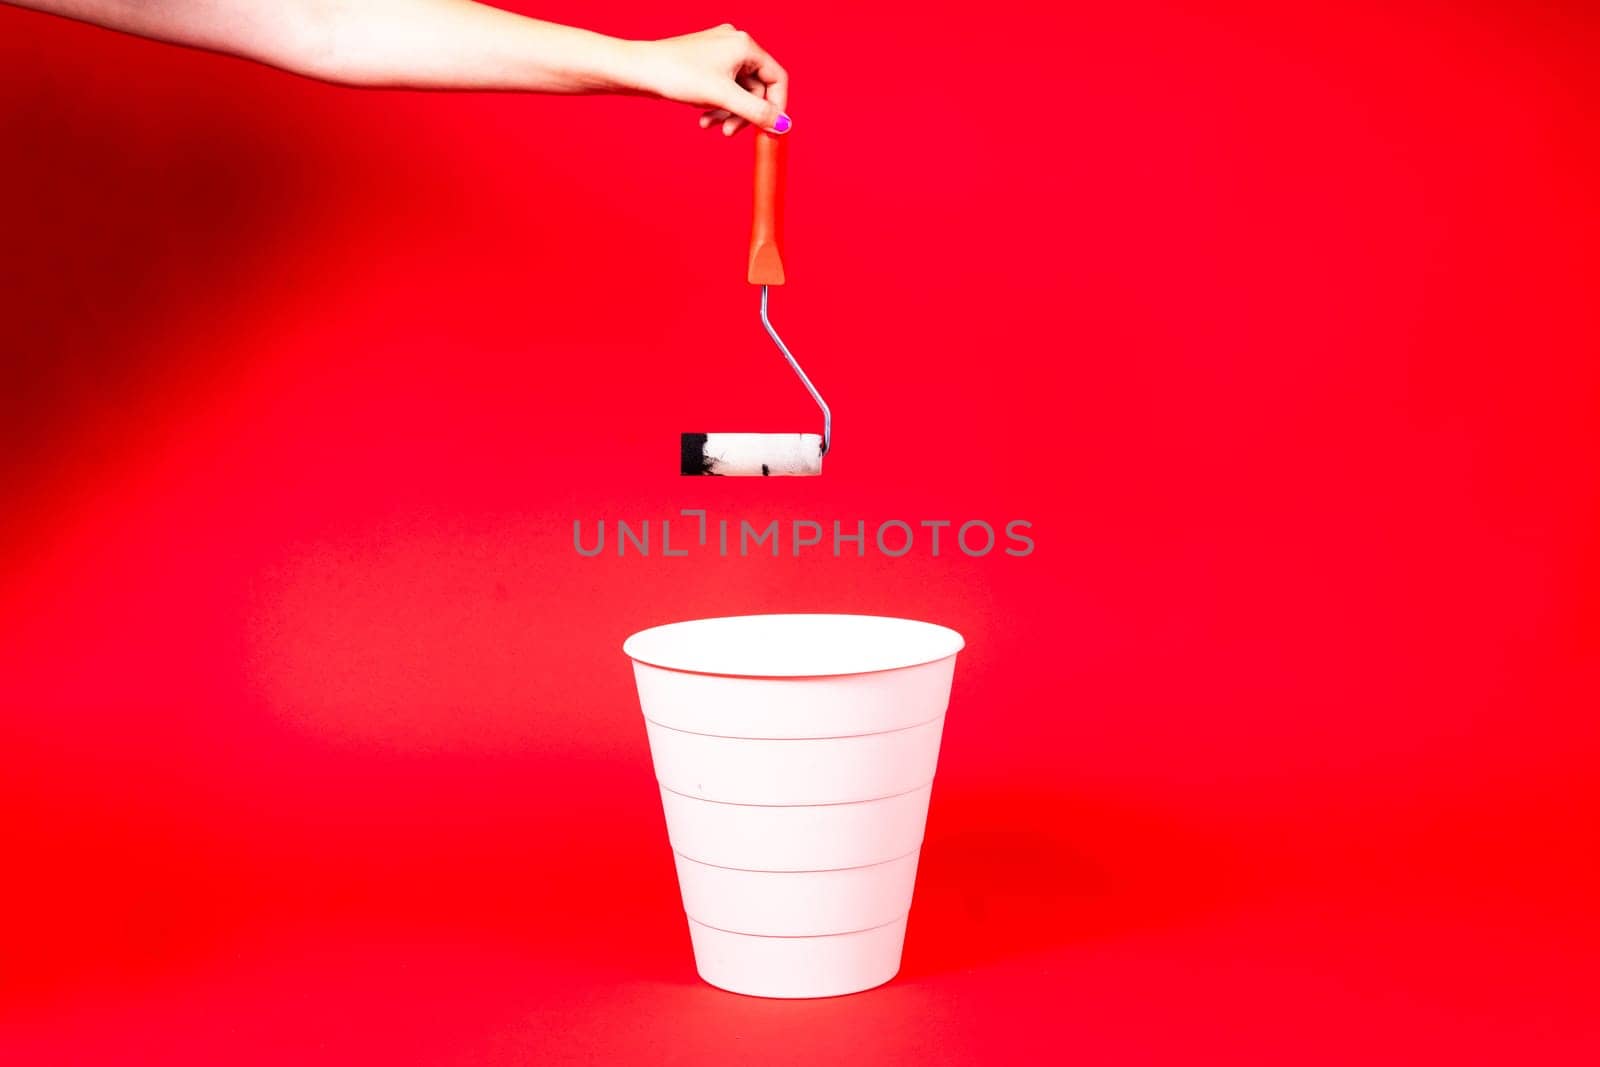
781 124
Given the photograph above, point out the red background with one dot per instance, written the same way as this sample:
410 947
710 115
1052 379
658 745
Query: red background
318 744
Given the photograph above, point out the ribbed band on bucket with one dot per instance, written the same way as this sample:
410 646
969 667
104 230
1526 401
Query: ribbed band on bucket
794 967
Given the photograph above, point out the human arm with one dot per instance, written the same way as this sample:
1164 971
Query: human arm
459 44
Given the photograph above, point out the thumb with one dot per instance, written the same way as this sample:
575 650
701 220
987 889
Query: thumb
756 110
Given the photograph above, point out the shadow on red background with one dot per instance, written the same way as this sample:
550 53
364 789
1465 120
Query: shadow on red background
139 215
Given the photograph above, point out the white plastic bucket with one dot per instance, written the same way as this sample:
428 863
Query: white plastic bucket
795 755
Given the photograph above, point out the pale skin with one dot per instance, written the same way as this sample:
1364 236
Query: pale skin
458 44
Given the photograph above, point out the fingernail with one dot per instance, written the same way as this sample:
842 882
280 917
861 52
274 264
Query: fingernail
781 124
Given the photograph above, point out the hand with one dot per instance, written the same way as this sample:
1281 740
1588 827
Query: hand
722 70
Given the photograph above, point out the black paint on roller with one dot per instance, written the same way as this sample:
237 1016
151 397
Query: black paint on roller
692 454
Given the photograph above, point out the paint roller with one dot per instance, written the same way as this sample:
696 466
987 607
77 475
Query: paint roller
763 454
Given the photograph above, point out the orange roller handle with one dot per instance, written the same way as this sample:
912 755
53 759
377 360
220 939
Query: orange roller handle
766 225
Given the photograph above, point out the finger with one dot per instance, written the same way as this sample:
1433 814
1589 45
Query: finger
714 117
741 103
771 75
752 85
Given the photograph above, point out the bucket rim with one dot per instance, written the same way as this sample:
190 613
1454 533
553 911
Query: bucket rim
793 645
